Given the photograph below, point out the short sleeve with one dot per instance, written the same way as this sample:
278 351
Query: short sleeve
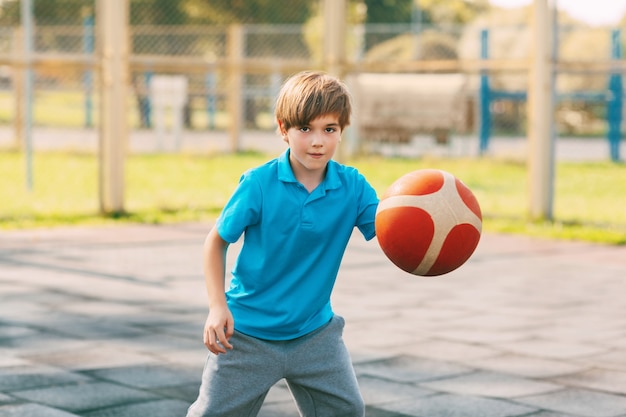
368 203
242 210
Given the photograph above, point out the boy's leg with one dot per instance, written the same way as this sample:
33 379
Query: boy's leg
236 383
321 377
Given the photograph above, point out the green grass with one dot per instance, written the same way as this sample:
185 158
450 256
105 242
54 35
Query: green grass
67 109
589 204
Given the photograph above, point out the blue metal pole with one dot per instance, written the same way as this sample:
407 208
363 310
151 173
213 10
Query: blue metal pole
88 48
615 101
210 85
146 102
484 96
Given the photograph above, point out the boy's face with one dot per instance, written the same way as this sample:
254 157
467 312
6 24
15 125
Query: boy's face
314 144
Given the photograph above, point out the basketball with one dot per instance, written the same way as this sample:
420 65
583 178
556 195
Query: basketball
428 222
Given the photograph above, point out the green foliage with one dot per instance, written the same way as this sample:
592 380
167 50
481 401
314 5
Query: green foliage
589 204
452 11
168 12
157 12
388 11
236 11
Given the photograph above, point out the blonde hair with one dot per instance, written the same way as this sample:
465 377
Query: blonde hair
310 94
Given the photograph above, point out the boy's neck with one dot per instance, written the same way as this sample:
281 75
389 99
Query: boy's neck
309 179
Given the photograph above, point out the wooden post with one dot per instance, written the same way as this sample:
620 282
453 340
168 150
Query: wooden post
541 113
335 36
236 103
335 58
113 52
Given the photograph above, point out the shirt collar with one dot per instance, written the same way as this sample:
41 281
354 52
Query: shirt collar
285 173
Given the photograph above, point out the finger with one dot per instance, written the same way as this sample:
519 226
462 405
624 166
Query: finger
212 344
230 330
221 341
226 343
229 333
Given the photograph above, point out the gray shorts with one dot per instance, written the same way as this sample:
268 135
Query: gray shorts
317 368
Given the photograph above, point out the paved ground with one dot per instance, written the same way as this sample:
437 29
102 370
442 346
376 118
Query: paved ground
100 322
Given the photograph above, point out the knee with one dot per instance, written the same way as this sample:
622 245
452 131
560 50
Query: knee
353 408
359 409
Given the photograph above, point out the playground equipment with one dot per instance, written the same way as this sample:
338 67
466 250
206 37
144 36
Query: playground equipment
393 108
612 97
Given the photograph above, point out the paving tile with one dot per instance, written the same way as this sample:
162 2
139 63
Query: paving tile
618 343
279 402
377 391
84 397
189 358
186 392
371 411
613 359
192 325
450 351
44 344
7 359
490 321
33 376
521 315
148 376
156 342
597 333
489 384
551 349
458 406
409 369
106 355
396 341
159 408
101 309
8 331
80 327
526 366
7 399
579 403
20 313
597 379
32 410
472 335
278 410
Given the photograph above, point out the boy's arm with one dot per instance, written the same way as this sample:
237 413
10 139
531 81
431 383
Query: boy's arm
219 326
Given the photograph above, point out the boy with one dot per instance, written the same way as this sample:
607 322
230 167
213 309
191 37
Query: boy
296 213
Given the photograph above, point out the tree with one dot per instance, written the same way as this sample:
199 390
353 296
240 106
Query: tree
46 12
247 11
451 11
157 12
388 11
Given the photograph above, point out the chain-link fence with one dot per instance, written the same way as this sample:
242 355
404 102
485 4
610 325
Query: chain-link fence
183 45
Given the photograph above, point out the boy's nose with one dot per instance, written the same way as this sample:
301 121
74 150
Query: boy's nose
317 140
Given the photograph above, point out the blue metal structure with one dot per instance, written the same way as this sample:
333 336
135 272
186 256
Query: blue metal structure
88 48
613 97
485 98
211 98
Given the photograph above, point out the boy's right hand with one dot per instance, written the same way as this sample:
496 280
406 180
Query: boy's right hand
218 329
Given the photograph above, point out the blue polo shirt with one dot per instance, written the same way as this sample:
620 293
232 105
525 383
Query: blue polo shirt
293 245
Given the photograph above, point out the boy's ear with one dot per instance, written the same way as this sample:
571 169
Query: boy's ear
281 127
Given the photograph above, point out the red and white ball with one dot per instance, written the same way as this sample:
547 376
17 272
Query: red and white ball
428 222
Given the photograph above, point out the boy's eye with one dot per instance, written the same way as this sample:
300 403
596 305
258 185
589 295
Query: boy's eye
305 129
330 129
